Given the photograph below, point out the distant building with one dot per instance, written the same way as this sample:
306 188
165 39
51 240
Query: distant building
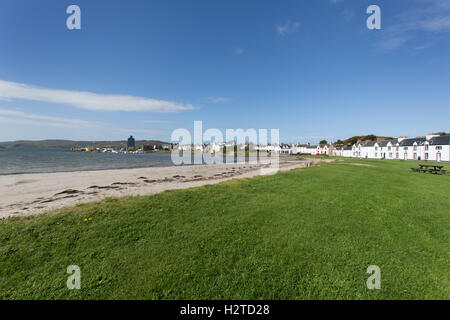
147 148
131 142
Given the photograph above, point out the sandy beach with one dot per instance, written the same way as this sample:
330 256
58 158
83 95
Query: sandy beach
28 194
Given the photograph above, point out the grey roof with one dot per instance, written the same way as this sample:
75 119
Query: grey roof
384 143
410 142
442 140
369 144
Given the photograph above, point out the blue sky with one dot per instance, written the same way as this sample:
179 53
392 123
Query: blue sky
310 68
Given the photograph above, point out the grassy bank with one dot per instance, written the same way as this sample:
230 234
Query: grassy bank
305 234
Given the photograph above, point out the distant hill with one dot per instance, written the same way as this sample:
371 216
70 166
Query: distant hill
369 137
442 133
75 144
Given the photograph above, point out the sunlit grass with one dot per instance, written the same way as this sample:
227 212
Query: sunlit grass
305 234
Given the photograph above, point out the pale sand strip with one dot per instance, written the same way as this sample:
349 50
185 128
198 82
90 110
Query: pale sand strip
28 194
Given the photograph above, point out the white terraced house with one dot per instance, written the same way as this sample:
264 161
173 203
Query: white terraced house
301 149
356 150
337 151
432 148
286 149
436 149
386 150
269 148
311 150
323 149
347 152
409 148
341 151
368 150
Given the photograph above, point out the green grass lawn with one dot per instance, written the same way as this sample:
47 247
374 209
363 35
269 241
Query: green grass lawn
305 234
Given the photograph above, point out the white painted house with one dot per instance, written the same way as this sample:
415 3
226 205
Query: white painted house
286 149
387 149
438 149
347 152
301 149
356 150
311 150
432 148
410 148
341 151
323 149
337 151
368 150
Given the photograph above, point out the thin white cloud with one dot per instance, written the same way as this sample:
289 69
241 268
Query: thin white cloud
88 100
18 117
289 27
31 118
218 99
392 43
422 17
437 24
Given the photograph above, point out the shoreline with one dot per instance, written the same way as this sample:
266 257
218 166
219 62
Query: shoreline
126 166
34 193
91 170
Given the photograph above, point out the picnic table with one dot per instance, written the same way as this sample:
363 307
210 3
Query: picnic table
431 168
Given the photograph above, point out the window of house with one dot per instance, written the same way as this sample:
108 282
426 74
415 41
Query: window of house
397 155
389 148
438 147
376 148
397 148
426 156
376 155
390 154
415 148
415 155
405 148
426 147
